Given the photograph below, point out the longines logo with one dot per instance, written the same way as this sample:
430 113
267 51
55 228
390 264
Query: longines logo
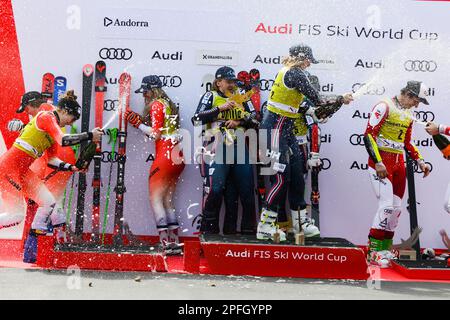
369 64
107 22
176 56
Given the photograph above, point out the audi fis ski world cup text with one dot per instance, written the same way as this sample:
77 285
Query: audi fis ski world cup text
337 31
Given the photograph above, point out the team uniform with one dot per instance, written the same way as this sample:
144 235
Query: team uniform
17 180
285 106
55 180
387 135
165 170
219 141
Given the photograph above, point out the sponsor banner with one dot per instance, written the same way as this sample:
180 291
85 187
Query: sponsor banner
369 54
217 58
168 25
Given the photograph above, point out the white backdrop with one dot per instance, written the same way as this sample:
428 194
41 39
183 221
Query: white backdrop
346 35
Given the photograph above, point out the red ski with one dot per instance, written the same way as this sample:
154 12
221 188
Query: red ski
48 80
124 105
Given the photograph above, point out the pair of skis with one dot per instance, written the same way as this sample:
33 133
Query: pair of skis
53 88
124 94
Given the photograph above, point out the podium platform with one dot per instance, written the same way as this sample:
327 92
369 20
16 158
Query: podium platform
425 269
324 258
95 257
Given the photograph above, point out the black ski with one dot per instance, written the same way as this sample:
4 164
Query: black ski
88 71
412 208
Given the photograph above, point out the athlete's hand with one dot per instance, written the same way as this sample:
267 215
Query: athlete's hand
432 128
314 160
227 106
381 170
15 125
425 169
232 124
133 118
348 98
97 134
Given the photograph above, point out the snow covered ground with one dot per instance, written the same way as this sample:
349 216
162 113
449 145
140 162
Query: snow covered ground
38 284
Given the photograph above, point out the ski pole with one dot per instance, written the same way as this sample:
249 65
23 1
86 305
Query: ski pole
75 148
112 139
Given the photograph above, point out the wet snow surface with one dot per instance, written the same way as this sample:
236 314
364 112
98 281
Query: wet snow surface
38 284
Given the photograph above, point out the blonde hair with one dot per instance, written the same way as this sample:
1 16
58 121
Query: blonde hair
292 62
214 86
157 94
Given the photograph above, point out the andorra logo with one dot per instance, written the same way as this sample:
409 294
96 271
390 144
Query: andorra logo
124 23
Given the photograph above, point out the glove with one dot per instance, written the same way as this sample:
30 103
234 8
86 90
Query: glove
133 118
15 125
314 160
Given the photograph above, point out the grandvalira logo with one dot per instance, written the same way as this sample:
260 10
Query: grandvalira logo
124 23
115 53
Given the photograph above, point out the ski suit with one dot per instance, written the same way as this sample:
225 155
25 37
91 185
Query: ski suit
167 166
217 169
387 135
285 105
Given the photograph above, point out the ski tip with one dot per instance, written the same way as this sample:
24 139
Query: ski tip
100 66
124 77
48 75
88 69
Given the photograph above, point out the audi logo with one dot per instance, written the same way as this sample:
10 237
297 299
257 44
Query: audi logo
171 81
110 105
266 85
424 116
107 157
357 139
326 163
370 89
418 170
115 53
420 66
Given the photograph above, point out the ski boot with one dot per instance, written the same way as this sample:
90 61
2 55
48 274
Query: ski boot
307 224
267 226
